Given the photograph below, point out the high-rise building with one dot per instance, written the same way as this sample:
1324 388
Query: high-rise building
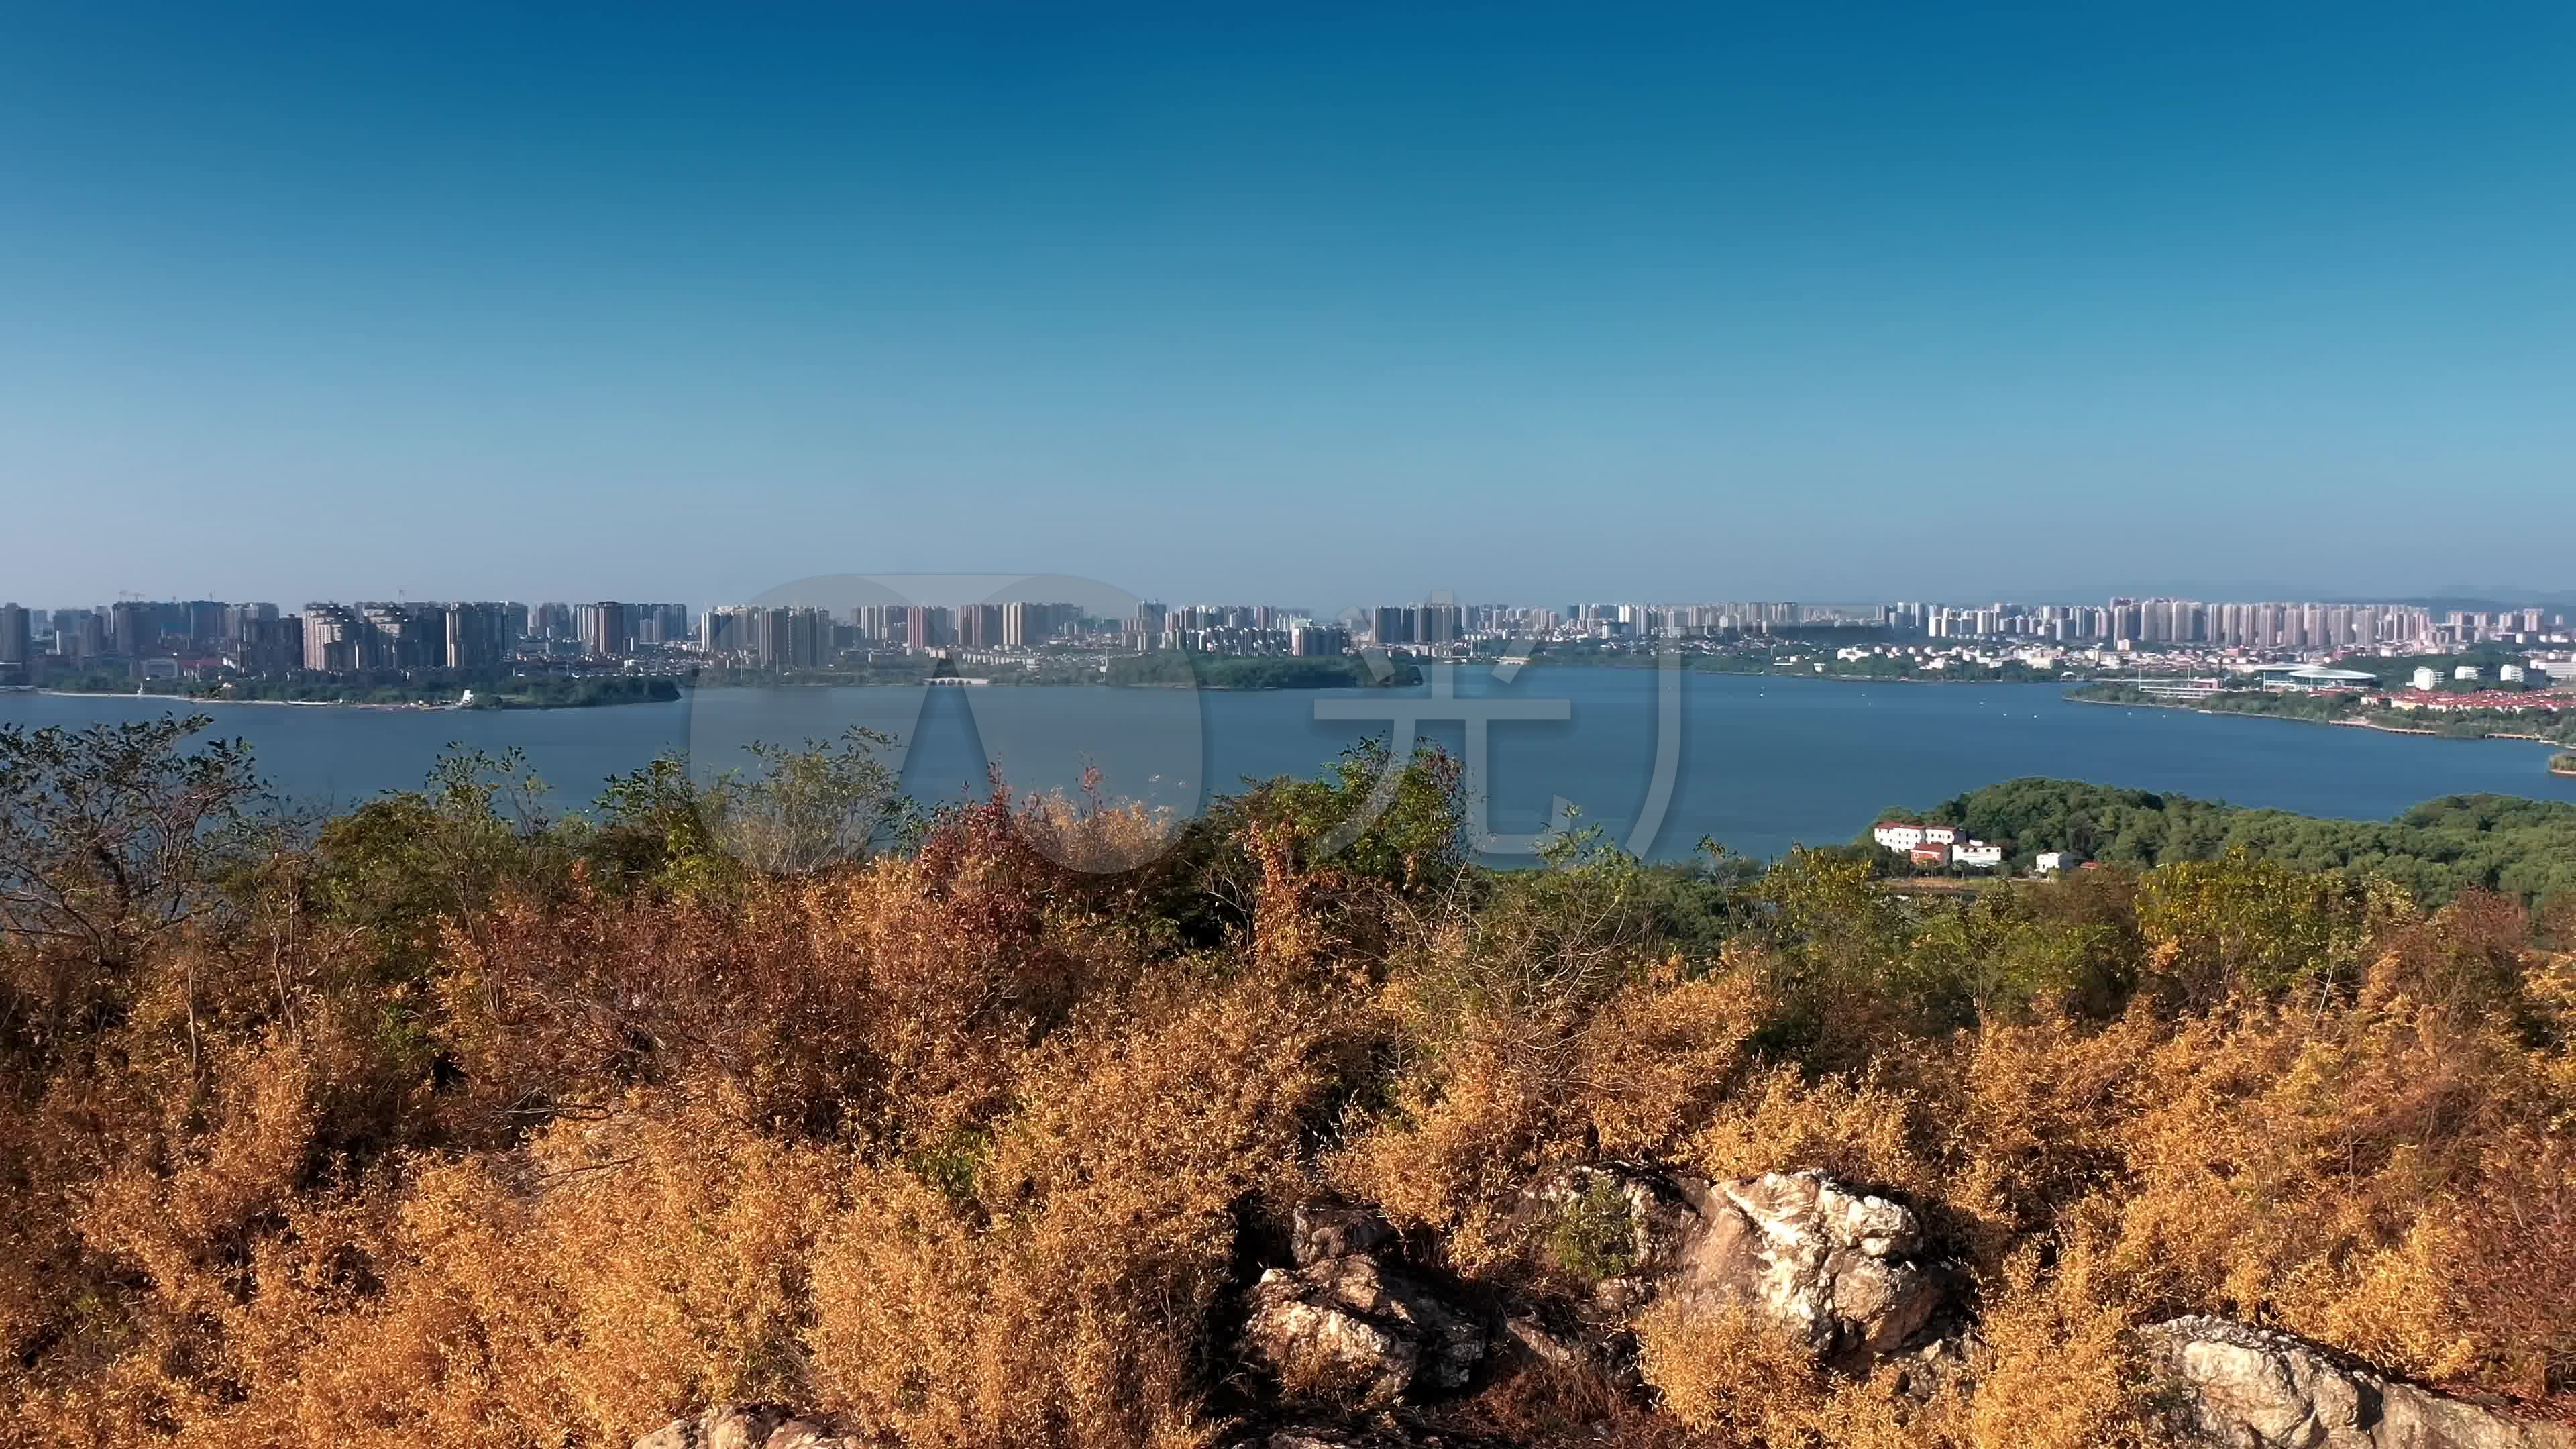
1028 625
606 630
80 635
239 617
720 630
477 636
202 620
787 638
877 623
658 624
266 645
927 627
17 639
134 629
1318 640
406 636
809 638
337 639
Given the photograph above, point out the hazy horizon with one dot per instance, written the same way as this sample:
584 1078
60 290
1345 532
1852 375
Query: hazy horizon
2453 598
1320 307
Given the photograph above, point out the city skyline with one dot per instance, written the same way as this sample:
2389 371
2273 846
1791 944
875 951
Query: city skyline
2460 599
261 638
322 302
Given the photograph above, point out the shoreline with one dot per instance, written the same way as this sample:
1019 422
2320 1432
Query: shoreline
1542 662
2361 724
191 699
357 704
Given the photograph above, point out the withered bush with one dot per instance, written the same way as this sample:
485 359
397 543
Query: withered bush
1057 1287
451 1130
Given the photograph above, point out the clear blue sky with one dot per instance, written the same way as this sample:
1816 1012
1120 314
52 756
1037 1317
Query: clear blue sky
1317 307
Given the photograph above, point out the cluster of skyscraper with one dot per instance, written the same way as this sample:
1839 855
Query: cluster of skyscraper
133 629
138 631
346 638
799 637
1258 629
2268 626
257 639
168 637
1435 624
340 638
803 636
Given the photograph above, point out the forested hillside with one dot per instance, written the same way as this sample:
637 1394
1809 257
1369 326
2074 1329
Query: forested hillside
1046 1122
2502 843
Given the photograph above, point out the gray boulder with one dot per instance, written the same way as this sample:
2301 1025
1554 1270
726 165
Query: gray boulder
2250 1388
1839 1267
1355 1329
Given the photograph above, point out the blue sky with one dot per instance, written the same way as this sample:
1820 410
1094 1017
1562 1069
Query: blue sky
1313 305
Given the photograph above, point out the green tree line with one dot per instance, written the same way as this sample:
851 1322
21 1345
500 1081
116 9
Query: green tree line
2436 850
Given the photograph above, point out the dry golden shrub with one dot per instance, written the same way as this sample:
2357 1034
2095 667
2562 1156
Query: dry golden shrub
1543 1403
1446 1154
1656 1061
2279 1160
2057 1368
1056 1285
1739 1381
584 1291
1730 1375
1508 1086
1854 1127
2007 1126
1092 835
889 1000
2054 1368
2505 1264
966 1145
185 1214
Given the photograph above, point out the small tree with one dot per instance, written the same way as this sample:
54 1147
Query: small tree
113 834
805 810
2243 922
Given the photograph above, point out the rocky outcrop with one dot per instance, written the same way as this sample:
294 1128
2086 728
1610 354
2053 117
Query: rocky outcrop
1944 1358
1533 1339
2249 1388
747 1426
1841 1268
1355 1329
1343 1324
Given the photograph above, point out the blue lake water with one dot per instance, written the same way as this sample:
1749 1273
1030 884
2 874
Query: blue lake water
1756 763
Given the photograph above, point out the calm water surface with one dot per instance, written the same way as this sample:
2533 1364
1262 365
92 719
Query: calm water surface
1761 763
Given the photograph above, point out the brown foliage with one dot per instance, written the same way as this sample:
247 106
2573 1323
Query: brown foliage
1058 1291
966 1146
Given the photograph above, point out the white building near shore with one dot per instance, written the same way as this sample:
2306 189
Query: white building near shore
1897 835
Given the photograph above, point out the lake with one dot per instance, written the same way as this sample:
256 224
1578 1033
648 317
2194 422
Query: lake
1758 763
